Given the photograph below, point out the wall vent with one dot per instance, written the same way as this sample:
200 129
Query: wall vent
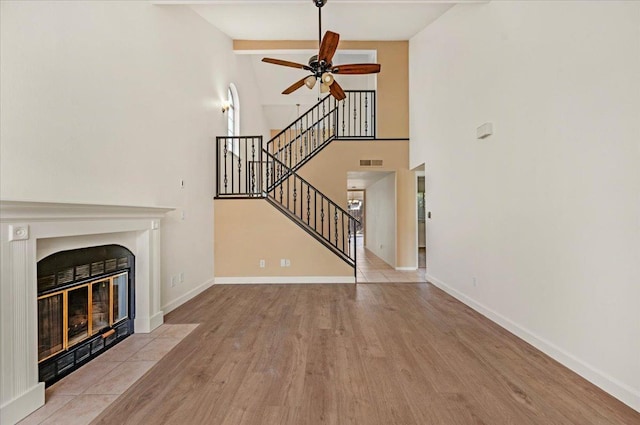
371 163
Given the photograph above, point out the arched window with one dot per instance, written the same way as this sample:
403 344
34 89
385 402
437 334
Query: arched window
233 118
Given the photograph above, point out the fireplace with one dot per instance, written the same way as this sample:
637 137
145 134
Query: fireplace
86 304
31 232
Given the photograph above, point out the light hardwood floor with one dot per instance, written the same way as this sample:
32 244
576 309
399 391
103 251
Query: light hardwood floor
345 354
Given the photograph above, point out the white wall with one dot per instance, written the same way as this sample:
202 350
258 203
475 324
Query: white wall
380 224
546 212
115 102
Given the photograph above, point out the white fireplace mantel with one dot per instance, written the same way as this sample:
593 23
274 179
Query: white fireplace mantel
22 224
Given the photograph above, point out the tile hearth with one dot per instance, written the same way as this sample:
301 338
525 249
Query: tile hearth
81 396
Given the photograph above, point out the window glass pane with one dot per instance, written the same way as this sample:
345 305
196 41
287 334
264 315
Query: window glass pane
120 295
49 326
230 114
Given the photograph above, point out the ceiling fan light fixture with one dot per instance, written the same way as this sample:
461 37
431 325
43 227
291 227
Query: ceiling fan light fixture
310 81
327 78
324 88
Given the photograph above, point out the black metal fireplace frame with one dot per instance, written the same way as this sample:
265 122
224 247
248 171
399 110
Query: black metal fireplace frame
74 268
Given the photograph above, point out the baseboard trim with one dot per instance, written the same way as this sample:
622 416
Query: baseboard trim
22 406
406 269
614 387
283 280
172 305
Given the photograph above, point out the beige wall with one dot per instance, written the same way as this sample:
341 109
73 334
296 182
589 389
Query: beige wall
328 173
248 230
393 80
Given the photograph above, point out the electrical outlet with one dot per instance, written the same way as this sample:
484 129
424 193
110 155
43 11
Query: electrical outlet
288 263
181 277
283 262
182 215
174 280
262 264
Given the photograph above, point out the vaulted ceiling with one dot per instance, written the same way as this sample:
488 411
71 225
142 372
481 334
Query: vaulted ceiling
298 20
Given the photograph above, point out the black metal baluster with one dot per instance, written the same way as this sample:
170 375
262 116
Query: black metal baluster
343 115
253 161
308 205
294 194
299 137
280 182
293 141
226 178
366 114
301 192
355 114
349 237
373 116
328 237
324 133
322 215
360 106
336 224
267 181
239 171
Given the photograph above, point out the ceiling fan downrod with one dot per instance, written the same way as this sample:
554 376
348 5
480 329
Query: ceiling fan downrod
319 4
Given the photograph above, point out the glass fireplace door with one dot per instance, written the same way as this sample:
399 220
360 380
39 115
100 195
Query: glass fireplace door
50 325
77 314
100 294
120 296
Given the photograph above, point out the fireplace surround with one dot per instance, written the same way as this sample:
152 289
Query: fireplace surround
30 231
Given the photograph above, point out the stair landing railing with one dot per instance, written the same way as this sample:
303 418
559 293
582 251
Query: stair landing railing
352 118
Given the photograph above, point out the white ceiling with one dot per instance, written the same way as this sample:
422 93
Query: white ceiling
298 19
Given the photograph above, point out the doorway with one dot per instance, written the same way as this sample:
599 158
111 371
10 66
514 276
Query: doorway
422 223
356 207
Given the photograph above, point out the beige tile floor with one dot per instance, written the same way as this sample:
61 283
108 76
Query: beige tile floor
372 269
81 396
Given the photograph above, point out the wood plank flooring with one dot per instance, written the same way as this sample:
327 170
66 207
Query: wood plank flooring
345 354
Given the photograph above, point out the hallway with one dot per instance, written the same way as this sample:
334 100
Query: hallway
372 269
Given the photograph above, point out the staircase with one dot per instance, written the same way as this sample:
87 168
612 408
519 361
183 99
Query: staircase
249 168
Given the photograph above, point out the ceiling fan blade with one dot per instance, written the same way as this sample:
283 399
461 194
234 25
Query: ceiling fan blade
337 91
357 68
295 86
328 46
286 63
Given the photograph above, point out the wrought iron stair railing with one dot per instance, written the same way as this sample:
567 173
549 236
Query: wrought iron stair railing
321 217
329 119
249 168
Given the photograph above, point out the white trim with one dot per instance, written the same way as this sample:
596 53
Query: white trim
283 280
172 305
21 406
145 325
410 269
609 384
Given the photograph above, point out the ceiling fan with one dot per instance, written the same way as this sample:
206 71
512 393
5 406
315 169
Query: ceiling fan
321 65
